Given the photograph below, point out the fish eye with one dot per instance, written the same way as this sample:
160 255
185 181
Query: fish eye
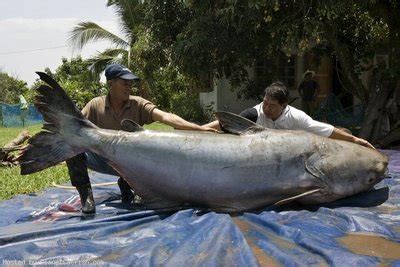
371 180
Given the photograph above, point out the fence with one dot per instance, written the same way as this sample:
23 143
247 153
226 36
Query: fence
13 115
332 111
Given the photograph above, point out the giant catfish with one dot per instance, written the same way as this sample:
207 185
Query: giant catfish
250 168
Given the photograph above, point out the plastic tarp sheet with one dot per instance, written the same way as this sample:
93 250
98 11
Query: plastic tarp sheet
48 229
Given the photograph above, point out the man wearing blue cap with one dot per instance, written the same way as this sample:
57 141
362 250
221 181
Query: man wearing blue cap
107 112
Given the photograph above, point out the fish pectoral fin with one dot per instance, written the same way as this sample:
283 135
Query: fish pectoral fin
235 124
290 199
128 125
313 165
151 200
314 171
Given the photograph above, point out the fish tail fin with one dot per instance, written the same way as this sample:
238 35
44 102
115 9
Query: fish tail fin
63 126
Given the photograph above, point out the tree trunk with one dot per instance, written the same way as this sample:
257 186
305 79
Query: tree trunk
393 137
390 139
346 58
7 159
376 104
350 77
18 140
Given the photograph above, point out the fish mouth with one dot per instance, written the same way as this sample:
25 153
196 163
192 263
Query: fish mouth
382 170
381 177
386 173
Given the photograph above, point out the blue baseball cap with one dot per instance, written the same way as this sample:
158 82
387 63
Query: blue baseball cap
113 71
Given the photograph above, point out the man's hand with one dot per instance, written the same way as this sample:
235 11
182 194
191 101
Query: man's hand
343 135
208 129
363 142
179 123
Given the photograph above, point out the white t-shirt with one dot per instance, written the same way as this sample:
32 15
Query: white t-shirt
294 119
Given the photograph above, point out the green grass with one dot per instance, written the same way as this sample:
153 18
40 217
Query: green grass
7 134
12 183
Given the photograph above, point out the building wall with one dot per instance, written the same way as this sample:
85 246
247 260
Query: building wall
209 100
323 75
228 101
224 97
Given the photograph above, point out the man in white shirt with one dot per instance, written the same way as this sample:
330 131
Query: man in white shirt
274 112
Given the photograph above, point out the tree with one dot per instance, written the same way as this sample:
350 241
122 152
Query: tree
384 104
136 51
11 88
76 78
87 32
199 39
223 37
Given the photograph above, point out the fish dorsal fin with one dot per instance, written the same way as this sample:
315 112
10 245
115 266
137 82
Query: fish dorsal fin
128 125
290 199
235 124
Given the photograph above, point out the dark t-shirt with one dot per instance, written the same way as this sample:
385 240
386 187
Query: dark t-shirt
250 114
307 89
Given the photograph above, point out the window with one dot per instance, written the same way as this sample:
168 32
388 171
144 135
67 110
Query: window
281 68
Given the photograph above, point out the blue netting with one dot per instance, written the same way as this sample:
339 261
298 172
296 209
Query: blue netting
332 111
13 115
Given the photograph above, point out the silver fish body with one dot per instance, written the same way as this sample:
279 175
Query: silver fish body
240 172
223 172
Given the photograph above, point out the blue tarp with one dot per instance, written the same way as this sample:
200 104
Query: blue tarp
48 228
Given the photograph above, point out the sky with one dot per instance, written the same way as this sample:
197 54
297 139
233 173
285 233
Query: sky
34 33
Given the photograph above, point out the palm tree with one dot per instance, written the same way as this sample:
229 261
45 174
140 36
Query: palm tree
86 32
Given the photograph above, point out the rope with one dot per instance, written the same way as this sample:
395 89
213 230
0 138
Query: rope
69 187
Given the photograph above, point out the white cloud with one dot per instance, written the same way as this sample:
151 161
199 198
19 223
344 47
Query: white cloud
20 35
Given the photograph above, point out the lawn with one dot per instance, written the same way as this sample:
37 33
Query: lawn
12 183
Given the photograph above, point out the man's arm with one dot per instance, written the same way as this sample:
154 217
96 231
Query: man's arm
214 124
177 122
316 92
300 89
342 135
306 123
249 113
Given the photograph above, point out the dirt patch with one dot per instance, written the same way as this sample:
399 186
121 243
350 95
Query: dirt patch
263 259
368 244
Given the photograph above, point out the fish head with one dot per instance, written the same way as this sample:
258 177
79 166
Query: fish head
354 171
